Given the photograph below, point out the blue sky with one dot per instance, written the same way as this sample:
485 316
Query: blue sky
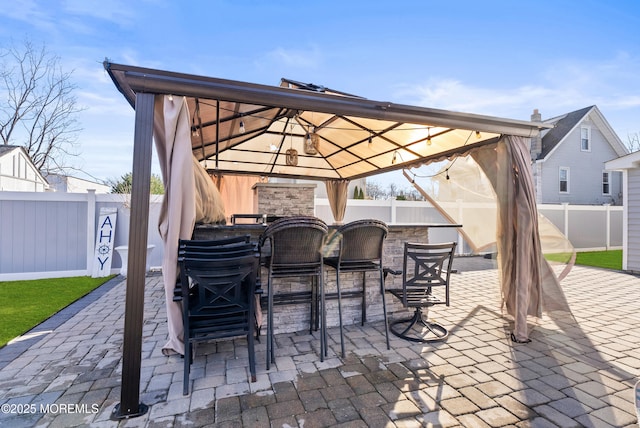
500 58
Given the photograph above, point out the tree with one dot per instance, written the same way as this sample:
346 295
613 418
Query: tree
37 106
374 191
123 184
633 142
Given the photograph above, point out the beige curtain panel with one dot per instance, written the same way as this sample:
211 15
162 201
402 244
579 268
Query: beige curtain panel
337 195
178 210
489 190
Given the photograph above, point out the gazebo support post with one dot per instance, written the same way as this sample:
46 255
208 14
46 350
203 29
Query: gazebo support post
130 405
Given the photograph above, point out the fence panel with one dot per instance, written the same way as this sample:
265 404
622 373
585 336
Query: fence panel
50 234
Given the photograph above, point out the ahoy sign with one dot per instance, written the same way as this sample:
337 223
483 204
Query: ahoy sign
105 236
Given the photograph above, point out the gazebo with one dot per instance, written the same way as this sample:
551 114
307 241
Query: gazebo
301 130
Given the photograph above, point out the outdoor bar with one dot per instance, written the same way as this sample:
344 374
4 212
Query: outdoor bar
280 200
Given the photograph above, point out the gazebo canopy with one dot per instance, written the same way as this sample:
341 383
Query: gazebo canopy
300 131
245 128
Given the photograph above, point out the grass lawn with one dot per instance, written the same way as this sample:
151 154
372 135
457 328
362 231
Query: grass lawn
25 304
611 259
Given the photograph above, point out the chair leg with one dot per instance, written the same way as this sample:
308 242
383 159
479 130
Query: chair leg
363 308
270 353
384 309
323 319
251 347
313 304
340 312
187 367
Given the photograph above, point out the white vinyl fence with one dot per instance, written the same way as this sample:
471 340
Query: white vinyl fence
46 235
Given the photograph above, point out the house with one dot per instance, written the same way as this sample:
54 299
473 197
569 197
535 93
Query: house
67 184
568 161
629 166
17 171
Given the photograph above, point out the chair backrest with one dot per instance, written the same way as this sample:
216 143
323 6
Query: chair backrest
362 240
225 286
295 240
427 265
220 248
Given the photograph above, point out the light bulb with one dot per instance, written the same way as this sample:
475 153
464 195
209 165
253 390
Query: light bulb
394 158
478 134
242 128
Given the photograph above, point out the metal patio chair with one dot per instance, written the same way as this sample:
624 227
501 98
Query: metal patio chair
218 296
425 283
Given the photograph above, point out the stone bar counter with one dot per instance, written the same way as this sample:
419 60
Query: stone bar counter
280 200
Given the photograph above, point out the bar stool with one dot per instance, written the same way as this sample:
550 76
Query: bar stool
360 250
295 251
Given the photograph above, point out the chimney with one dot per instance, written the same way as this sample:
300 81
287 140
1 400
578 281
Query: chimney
536 142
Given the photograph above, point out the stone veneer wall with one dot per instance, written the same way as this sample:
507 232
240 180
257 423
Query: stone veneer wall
282 199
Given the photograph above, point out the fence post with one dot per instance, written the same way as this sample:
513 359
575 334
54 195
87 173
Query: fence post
608 226
91 228
565 207
460 245
393 211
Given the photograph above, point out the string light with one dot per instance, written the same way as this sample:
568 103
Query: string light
242 128
478 135
170 97
393 161
428 136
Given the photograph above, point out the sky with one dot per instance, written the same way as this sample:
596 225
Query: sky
499 58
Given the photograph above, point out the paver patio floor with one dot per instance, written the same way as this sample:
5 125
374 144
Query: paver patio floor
579 370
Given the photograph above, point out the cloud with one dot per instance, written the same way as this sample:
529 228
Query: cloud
562 87
29 11
116 11
308 58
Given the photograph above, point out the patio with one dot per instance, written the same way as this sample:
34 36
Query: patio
573 373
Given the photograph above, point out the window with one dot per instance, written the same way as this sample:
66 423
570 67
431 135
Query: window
605 183
564 180
585 139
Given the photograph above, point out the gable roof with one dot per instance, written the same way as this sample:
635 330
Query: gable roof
564 124
6 149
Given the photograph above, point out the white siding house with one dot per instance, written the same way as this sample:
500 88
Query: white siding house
568 161
629 165
18 173
67 184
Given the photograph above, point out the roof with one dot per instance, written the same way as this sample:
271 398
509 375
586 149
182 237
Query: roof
5 149
239 127
564 124
630 161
